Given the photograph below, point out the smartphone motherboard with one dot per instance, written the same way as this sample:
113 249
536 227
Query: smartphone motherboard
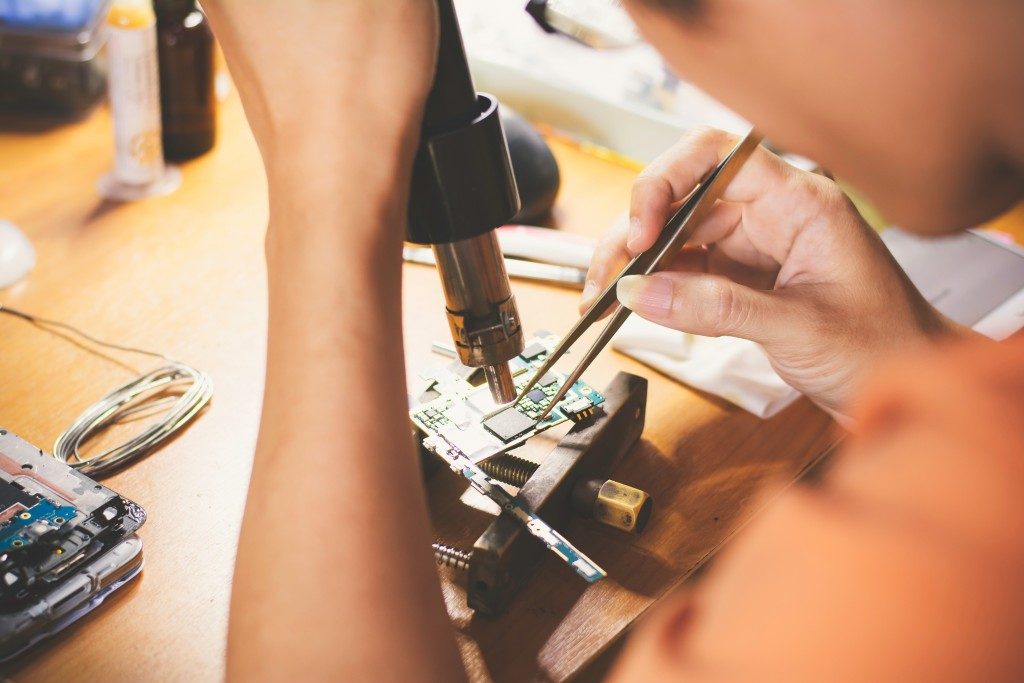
463 427
466 417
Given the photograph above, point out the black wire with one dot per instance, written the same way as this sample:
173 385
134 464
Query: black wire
36 320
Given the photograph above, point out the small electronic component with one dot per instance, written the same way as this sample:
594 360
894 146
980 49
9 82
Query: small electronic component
533 351
33 523
508 424
13 500
548 379
578 409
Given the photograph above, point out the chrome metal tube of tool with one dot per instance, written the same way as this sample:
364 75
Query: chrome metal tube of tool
481 310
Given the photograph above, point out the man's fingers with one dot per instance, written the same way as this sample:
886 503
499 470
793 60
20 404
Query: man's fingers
702 259
692 259
660 188
669 178
708 305
649 209
673 175
613 252
610 257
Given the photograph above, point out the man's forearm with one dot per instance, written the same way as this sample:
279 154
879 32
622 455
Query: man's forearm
335 482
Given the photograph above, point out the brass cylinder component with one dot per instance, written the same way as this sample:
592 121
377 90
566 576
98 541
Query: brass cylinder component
614 504
482 312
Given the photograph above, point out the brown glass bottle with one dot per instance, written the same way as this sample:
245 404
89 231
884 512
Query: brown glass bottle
185 46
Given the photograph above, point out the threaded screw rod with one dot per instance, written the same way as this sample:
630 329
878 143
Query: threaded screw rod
510 469
449 556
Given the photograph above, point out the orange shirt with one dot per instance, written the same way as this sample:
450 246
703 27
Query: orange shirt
905 563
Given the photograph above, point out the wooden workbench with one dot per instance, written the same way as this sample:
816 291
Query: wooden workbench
185 275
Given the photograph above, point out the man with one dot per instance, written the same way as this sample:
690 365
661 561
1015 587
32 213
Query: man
905 564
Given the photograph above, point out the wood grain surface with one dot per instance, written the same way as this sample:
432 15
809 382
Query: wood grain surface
185 275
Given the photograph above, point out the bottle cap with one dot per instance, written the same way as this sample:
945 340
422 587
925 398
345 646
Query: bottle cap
131 4
174 6
131 13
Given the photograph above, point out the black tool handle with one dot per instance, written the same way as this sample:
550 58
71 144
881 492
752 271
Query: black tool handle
462 183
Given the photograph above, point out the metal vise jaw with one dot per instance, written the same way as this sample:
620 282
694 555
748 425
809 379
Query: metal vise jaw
572 478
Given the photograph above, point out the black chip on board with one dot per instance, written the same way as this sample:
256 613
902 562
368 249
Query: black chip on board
532 351
508 424
12 494
536 396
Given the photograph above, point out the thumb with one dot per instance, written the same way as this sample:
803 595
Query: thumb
708 305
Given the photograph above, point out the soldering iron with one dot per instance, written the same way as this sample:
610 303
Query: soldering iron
463 185
462 189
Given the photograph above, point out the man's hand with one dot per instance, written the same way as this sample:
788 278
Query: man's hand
788 263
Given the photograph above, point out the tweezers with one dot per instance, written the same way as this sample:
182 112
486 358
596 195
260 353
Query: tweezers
678 229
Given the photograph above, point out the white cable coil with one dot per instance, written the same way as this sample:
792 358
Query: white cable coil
183 388
186 388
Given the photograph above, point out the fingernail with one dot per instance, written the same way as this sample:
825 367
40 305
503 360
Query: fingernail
648 296
634 232
589 292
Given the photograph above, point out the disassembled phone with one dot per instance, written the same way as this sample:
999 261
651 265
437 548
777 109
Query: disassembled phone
464 428
459 424
66 543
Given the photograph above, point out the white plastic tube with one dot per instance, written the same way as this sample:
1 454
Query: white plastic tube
134 85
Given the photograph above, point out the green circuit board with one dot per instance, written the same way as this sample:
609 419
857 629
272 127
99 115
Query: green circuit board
466 416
